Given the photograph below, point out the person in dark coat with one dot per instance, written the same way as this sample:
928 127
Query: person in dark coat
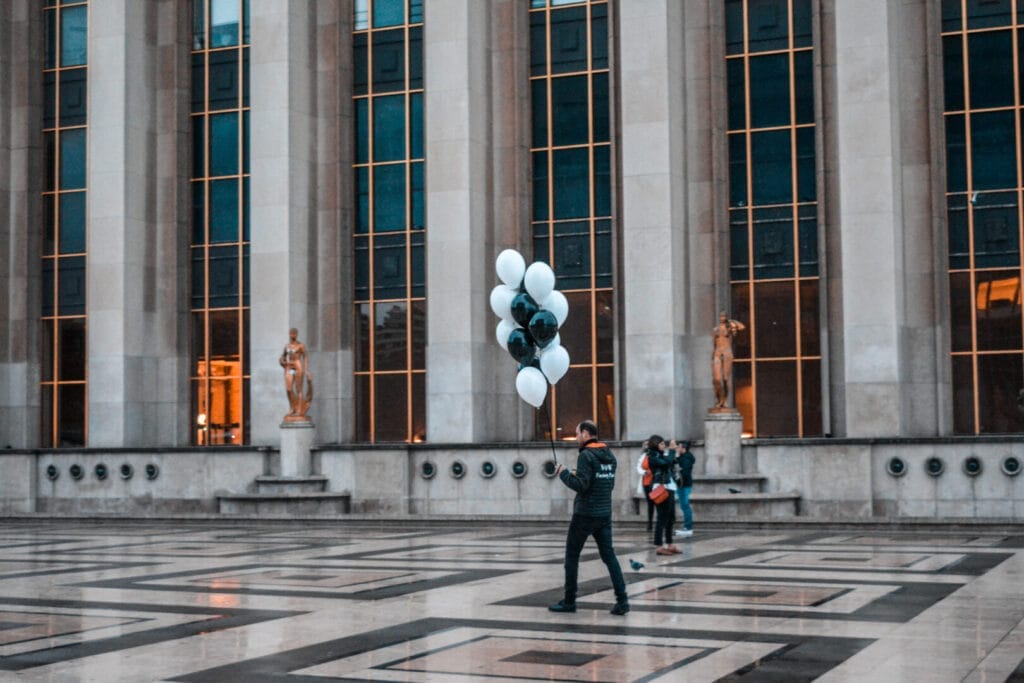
593 481
661 461
685 461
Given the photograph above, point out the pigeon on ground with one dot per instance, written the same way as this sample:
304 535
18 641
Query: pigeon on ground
732 490
637 566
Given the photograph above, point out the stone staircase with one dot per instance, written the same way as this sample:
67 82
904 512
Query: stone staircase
287 497
712 499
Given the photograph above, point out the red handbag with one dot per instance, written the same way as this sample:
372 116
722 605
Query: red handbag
658 494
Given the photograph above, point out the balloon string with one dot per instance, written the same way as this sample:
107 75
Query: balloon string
551 430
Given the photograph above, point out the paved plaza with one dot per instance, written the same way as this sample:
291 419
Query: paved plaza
466 601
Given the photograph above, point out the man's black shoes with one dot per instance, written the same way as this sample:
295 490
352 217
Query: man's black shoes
563 606
620 608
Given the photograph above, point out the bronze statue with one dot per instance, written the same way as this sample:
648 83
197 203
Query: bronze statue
721 359
296 374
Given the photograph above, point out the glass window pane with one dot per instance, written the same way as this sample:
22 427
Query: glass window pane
743 397
739 251
224 23
734 26
51 38
362 346
224 278
198 24
389 128
604 326
771 158
569 40
737 83
956 154
960 296
575 333
388 13
990 61
769 91
360 64
224 345
72 350
540 186
774 320
391 408
47 349
996 234
808 233
392 335
807 182
198 212
803 82
959 241
574 400
364 407
361 15
802 17
71 286
997 302
963 394
777 410
569 111
48 286
73 97
71 415
810 384
72 222
602 181
417 220
198 277
953 72
599 36
993 150
224 210
362 200
773 243
538 44
419 407
416 125
768 25
389 268
224 85
740 298
72 159
737 169
49 100
418 335
810 334
572 183
572 255
389 199
1000 377
417 264
224 144
49 225
74 36
603 253
389 61
415 57
198 146
988 13
199 82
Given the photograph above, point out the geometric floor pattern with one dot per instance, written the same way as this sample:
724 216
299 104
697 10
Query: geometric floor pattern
466 602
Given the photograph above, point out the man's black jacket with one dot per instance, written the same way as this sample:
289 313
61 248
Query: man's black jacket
593 481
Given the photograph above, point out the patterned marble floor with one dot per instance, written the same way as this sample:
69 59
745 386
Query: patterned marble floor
358 601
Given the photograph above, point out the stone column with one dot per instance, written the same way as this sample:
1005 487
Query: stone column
136 391
667 219
460 375
886 346
282 148
20 184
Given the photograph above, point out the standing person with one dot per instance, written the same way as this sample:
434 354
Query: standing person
660 461
685 462
646 482
593 481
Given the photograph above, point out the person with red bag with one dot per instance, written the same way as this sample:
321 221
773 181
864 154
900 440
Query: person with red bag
660 461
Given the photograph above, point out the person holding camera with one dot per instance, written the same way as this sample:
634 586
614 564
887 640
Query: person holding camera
684 482
593 481
660 462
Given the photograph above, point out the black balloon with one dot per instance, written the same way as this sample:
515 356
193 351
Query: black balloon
523 308
543 327
521 346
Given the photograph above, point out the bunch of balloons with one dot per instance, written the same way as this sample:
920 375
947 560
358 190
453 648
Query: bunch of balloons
531 311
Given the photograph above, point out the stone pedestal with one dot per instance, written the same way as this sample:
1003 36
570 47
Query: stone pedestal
722 433
296 440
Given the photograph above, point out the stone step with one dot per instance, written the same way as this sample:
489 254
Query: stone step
285 504
271 484
721 483
723 506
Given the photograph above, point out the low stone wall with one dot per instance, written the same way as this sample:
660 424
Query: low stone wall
836 478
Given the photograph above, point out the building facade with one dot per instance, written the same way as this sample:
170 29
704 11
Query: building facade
183 181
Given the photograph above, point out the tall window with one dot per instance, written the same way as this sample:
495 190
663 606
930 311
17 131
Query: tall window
64 224
220 221
982 43
573 229
390 277
773 216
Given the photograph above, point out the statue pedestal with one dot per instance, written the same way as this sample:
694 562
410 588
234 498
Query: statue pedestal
722 432
296 440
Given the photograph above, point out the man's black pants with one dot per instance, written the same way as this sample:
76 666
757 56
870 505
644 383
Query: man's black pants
600 528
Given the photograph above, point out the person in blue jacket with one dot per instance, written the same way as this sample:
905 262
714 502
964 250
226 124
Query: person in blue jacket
593 481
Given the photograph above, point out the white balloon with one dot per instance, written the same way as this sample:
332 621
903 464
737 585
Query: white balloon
557 304
539 280
510 266
501 332
531 386
501 301
554 363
